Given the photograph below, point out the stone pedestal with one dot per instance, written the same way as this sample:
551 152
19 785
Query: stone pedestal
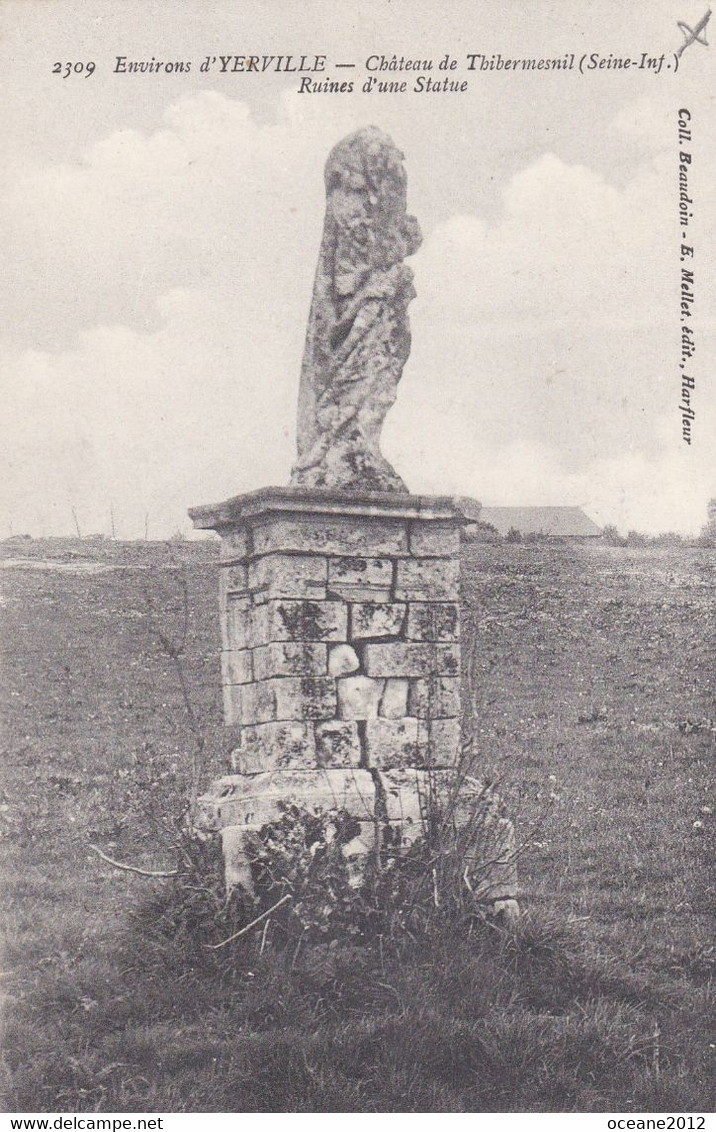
340 658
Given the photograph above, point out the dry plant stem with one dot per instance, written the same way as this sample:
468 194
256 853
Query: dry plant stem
175 650
134 868
656 1048
248 927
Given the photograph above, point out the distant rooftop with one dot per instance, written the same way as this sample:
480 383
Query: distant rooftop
562 522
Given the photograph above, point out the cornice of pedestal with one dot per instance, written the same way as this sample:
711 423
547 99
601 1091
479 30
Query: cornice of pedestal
328 501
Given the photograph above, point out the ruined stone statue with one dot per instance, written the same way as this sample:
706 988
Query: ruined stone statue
358 337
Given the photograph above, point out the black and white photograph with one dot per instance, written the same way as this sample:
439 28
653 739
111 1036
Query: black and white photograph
357 561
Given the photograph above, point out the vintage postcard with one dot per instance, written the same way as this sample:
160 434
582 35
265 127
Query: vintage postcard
442 278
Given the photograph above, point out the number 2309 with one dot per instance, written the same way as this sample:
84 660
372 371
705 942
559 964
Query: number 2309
66 69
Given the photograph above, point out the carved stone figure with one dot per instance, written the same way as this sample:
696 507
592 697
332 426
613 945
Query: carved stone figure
358 337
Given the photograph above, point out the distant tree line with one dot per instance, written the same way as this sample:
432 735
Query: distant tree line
612 537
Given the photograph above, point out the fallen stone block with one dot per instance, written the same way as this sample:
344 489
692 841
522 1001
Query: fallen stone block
256 799
405 793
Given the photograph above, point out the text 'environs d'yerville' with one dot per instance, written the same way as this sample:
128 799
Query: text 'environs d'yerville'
379 73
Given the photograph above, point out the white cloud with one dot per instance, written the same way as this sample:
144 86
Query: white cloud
151 421
545 360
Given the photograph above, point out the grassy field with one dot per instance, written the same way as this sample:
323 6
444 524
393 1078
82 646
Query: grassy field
590 697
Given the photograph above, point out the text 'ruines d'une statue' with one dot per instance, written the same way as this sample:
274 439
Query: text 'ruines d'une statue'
358 337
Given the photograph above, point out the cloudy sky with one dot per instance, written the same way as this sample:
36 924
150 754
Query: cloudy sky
161 235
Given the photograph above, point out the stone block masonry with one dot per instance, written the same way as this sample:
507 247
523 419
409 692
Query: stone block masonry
340 632
339 615
340 629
